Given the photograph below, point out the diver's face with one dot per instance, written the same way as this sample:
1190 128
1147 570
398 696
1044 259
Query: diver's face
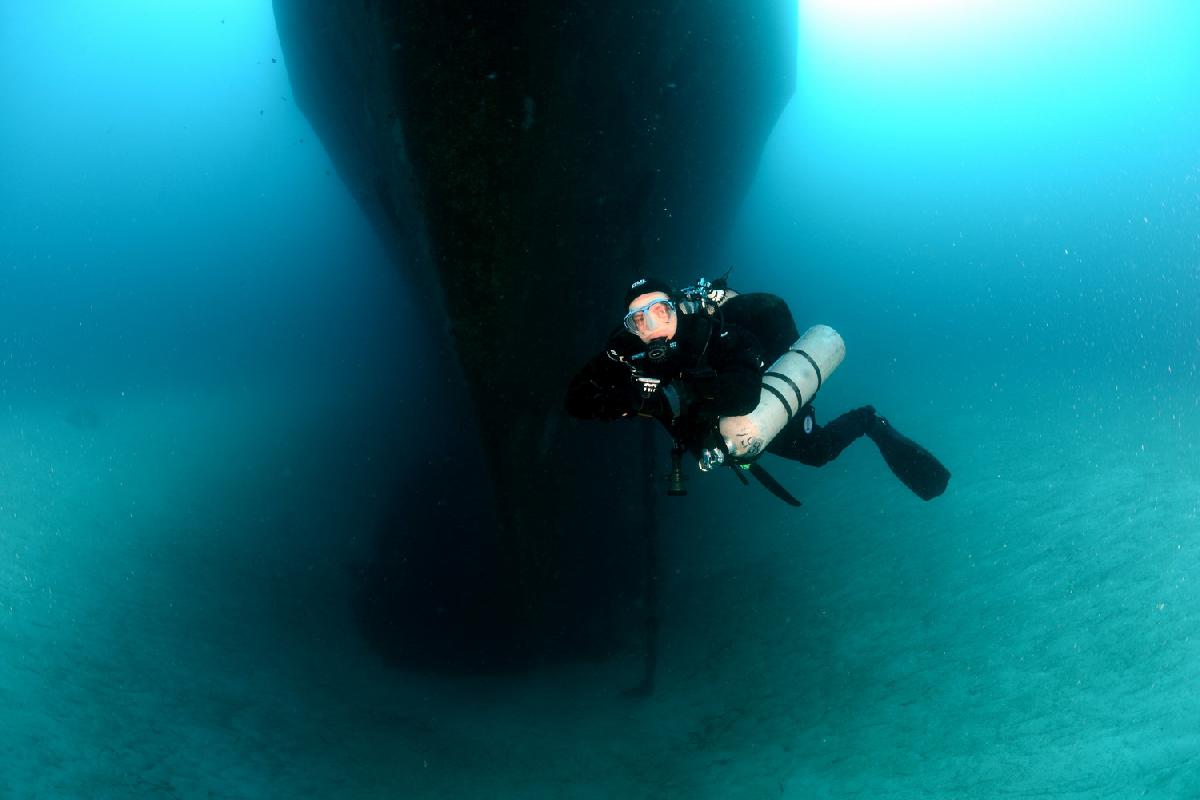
652 316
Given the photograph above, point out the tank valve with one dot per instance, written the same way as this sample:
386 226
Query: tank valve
711 458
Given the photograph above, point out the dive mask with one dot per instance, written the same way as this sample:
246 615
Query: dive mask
645 319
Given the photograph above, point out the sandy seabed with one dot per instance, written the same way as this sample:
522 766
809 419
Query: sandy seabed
174 623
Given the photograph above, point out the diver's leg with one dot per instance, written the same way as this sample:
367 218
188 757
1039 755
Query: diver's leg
805 441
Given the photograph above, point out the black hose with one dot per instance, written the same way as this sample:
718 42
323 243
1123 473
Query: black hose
650 502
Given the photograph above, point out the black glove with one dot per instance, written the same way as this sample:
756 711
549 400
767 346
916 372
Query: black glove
620 400
588 398
601 390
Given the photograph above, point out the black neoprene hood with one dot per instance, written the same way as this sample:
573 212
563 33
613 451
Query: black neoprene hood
645 286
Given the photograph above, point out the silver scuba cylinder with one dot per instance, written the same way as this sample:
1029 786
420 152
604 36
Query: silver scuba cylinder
787 386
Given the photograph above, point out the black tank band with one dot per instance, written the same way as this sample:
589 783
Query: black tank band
781 377
779 396
816 369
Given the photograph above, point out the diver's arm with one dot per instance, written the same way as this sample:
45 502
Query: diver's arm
603 389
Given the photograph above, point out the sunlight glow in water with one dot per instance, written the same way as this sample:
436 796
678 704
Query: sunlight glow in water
907 24
968 72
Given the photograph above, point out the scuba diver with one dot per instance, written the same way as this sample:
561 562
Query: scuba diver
730 377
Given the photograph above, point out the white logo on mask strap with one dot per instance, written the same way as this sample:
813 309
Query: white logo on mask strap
808 424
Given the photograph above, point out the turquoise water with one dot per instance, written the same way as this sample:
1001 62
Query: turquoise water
999 215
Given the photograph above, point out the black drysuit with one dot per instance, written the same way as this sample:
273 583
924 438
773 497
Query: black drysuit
714 369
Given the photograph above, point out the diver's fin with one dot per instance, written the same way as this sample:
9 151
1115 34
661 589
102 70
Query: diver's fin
915 466
771 485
